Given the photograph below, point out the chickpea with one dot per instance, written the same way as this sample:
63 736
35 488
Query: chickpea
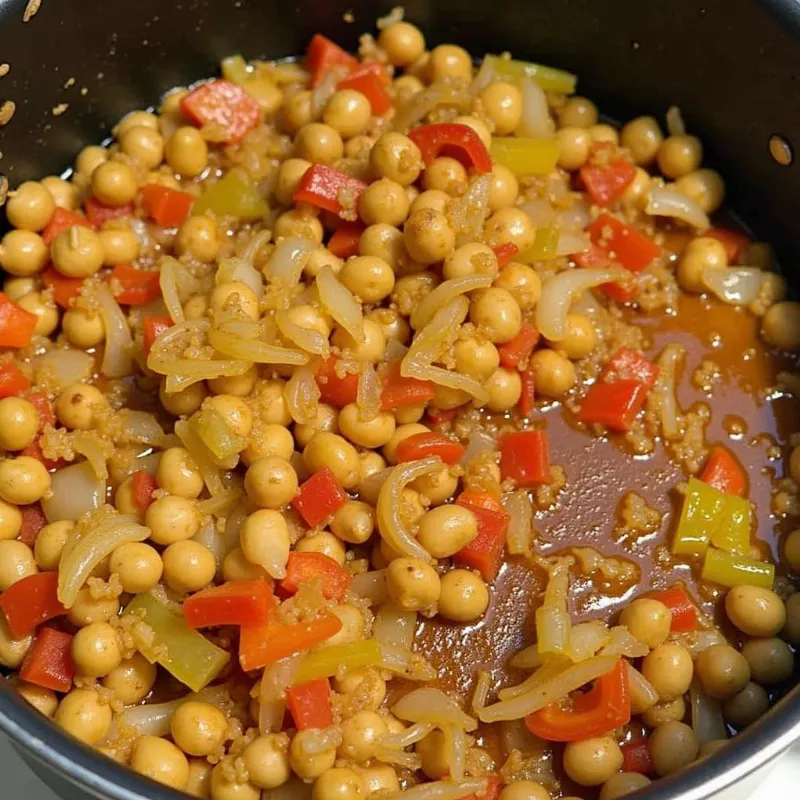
672 747
271 403
705 186
83 329
186 152
338 783
522 282
368 277
188 566
326 420
185 402
354 522
502 104
333 451
223 788
84 715
271 482
553 375
30 206
580 339
10 521
290 173
267 761
700 253
114 183
198 237
723 670
670 711
89 159
642 137
503 189
392 324
12 651
371 350
19 423
669 669
23 253
379 778
791 630
496 313
464 597
95 650
771 661
402 42
199 783
143 144
648 620
359 736
86 609
449 61
755 611
45 312
64 193
479 126
45 701
264 539
436 487
348 112
524 790
236 567
160 761
178 473
395 157
318 143
592 762
23 480
198 728
574 144
622 784
412 584
446 175
266 93
679 155
352 619
780 326
77 252
745 707
384 242
358 148
300 222
505 389
132 680
578 112
172 519
384 202
434 199
309 765
136 119
297 111
510 226
443 531
604 133
372 433
16 288
138 565
428 236
16 562
470 259
320 258
635 196
476 358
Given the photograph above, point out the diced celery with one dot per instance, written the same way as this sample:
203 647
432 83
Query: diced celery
526 156
549 78
232 196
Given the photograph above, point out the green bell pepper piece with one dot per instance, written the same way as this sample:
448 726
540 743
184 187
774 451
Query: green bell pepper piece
545 245
733 533
549 78
526 156
327 661
232 196
731 570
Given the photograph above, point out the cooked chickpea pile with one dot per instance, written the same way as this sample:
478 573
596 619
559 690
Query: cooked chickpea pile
202 517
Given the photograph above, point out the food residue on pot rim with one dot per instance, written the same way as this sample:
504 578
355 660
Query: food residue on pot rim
30 10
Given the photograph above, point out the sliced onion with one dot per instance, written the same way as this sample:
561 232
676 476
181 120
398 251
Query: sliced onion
221 503
552 691
552 618
208 537
624 643
467 214
574 219
484 77
675 124
391 526
340 303
410 761
313 741
450 380
255 244
395 626
141 426
308 339
272 692
168 281
302 393
440 790
540 210
434 706
199 452
368 396
663 201
643 694
559 293
97 452
735 285
74 491
520 524
287 260
481 692
118 354
571 243
480 442
406 663
439 334
551 667
443 294
371 586
240 270
586 639
665 390
535 121
422 103
90 542
410 736
324 90
707 720
455 744
251 351
59 368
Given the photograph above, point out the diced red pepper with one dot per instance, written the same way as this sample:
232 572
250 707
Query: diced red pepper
628 365
224 105
44 408
422 445
440 416
65 289
527 397
34 450
62 220
309 704
334 390
684 611
636 758
33 520
733 241
607 183
240 603
398 391
143 484
31 601
322 54
370 80
485 551
515 352
319 497
153 328
605 707
345 239
12 380
49 661
134 287
505 253
724 472
16 324
326 188
613 405
525 458
597 258
301 568
623 243
97 213
168 207
454 140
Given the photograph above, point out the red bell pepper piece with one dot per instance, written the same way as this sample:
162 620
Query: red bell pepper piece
733 241
440 416
134 287
319 497
636 758
398 391
322 54
62 220
335 390
597 258
41 402
49 661
97 213
309 704
34 450
613 405
263 645
370 80
623 243
344 241
724 472
329 189
454 140
606 706
65 289
525 458
301 568
153 328
33 520
422 445
168 207
684 611
505 253
527 397
16 324
223 104
12 381
606 182
31 601
247 603
515 352
485 551
628 365
143 484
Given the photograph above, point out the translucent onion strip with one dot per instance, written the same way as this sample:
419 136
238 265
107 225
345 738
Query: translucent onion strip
240 270
395 626
272 692
302 393
371 586
735 285
340 303
520 525
118 354
707 720
552 618
643 695
439 334
368 395
199 452
440 790
455 743
168 281
226 341
535 121
434 706
443 294
410 736
481 691
287 260
308 339
467 214
422 103
665 391
663 201
450 380
406 663
74 491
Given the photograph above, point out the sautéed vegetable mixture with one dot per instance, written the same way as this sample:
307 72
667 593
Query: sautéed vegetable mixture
381 426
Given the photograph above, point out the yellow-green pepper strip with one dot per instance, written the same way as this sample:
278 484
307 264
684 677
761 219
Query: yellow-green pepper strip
186 654
545 245
733 533
232 196
730 570
549 78
216 435
703 511
327 661
235 69
526 156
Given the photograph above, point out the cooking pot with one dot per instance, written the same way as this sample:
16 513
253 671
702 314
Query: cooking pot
732 68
